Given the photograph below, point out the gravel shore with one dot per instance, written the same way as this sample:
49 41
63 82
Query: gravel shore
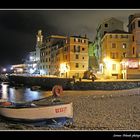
96 110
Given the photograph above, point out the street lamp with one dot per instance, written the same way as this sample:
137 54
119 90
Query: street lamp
4 70
64 68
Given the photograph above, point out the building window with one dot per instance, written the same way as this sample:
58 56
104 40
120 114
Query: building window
124 36
114 55
74 40
76 48
78 40
83 57
133 50
139 23
83 49
114 67
133 38
77 56
84 41
83 66
124 46
106 25
77 65
124 54
113 45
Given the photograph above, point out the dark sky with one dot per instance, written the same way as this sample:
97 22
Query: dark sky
18 28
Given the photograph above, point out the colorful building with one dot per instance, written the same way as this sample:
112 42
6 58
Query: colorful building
106 26
116 46
64 56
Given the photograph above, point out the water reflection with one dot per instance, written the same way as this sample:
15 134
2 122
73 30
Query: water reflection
20 94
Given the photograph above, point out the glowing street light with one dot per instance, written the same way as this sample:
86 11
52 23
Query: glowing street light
4 70
64 68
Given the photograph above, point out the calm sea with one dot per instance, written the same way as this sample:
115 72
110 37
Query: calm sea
20 94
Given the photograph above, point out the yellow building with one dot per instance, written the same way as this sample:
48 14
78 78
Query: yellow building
48 54
77 55
64 56
115 46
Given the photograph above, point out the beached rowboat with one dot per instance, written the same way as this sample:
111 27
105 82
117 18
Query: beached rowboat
38 113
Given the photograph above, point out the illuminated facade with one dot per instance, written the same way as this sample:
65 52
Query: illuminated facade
131 65
116 46
19 68
106 26
119 51
134 28
49 61
76 55
64 56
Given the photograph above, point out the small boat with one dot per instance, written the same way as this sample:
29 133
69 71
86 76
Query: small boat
38 114
35 88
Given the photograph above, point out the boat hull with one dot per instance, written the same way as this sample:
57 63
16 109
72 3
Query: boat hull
36 114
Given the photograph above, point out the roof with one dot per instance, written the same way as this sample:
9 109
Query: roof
108 19
119 32
79 37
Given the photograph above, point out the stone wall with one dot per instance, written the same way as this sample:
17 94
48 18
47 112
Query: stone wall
111 85
69 84
44 82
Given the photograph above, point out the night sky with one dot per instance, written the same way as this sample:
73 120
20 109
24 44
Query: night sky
18 28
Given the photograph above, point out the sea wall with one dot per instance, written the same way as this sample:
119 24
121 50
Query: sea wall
106 85
69 84
44 82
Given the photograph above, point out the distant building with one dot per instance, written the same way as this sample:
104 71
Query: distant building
18 68
32 60
131 65
134 28
106 26
116 45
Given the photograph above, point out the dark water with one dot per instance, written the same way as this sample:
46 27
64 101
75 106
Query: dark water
20 94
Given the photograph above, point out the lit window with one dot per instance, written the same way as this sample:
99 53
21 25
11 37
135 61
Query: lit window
124 45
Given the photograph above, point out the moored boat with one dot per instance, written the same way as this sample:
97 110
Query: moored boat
58 113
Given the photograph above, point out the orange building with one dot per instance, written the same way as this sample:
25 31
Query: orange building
64 56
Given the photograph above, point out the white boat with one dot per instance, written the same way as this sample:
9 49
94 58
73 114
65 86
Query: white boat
38 113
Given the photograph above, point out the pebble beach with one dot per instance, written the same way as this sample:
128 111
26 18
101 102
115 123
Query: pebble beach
95 110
